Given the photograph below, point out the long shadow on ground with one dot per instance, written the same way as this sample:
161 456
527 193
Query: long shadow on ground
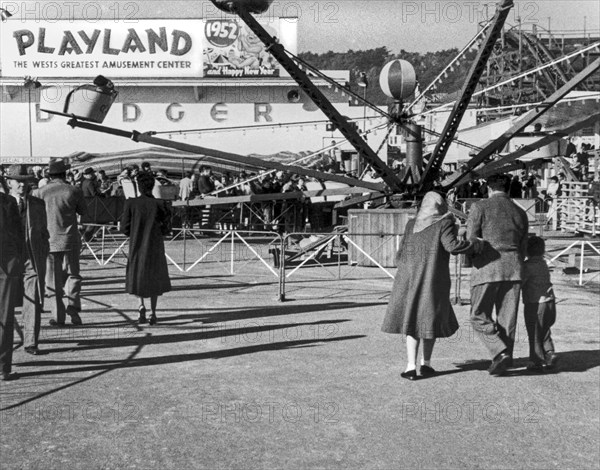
324 329
224 314
108 365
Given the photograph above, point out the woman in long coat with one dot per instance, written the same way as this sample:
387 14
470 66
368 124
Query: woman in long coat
145 220
419 305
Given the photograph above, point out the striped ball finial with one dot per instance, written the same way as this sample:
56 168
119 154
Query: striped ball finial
398 79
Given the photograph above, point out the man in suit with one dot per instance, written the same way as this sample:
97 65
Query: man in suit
32 211
497 271
11 268
63 203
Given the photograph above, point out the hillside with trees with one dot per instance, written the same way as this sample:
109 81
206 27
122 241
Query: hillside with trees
371 61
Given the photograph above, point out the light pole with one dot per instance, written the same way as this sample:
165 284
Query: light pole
364 84
30 84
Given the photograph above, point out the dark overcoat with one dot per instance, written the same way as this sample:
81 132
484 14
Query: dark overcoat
36 238
11 268
145 220
420 299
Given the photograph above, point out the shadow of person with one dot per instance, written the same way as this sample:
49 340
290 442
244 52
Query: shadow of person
473 364
568 361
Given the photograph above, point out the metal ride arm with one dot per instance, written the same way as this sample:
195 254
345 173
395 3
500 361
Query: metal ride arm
341 123
477 69
570 127
522 122
232 157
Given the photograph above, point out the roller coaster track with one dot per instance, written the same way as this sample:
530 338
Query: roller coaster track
555 76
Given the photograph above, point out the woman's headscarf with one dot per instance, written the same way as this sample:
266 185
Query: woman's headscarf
433 208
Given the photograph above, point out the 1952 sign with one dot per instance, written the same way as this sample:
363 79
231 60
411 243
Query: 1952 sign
221 33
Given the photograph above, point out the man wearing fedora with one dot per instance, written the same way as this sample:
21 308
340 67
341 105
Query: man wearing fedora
32 211
63 203
11 267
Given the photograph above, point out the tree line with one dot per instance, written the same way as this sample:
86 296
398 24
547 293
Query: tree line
371 61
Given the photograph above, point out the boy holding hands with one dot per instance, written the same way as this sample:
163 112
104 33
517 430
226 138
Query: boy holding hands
540 307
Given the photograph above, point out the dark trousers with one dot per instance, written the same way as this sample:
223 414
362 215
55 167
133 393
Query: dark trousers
9 290
32 305
539 317
497 335
63 264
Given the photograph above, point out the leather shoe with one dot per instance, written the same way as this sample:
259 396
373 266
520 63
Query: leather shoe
152 320
6 376
533 367
551 360
410 374
76 319
33 350
142 315
499 364
427 371
56 323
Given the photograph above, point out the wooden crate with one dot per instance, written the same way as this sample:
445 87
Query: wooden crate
381 247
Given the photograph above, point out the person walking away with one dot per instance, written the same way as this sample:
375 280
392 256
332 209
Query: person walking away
11 269
32 212
539 307
497 271
63 204
145 221
419 305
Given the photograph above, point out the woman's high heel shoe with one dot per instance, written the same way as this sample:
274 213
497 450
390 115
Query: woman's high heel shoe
152 320
142 314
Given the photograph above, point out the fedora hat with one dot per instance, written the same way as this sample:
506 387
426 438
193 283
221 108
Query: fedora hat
19 173
88 171
57 167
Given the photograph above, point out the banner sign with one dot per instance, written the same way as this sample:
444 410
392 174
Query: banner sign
146 48
233 50
170 48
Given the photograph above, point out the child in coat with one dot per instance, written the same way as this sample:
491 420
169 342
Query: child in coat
540 307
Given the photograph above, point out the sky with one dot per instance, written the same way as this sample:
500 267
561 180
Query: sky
340 25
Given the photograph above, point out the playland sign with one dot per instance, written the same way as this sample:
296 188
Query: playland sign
142 49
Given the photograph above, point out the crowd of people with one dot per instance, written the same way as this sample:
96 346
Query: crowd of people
40 246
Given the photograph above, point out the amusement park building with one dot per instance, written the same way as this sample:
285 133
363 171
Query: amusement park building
205 82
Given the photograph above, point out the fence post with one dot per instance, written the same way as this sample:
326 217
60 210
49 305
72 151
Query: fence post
338 241
184 245
232 251
102 245
281 259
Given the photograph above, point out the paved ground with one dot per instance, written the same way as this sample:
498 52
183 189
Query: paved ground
231 378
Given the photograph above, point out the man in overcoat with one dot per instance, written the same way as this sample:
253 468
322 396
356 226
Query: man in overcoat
63 203
32 211
497 271
11 268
